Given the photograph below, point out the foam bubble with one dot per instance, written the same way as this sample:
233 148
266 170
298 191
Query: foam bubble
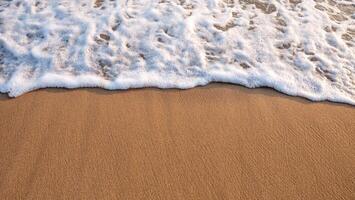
299 47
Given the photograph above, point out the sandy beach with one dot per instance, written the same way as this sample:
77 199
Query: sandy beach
215 142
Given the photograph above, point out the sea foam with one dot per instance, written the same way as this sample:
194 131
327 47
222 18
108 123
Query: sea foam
299 47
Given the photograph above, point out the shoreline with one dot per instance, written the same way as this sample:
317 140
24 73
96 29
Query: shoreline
63 89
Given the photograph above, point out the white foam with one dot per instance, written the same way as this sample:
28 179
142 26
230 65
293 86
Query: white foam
303 48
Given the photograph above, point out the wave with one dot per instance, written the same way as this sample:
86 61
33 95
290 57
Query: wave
299 47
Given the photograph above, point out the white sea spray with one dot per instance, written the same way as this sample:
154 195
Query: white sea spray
299 47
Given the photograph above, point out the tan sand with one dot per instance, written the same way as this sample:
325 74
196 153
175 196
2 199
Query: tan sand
214 142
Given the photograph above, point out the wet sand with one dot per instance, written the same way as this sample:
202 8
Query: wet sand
215 142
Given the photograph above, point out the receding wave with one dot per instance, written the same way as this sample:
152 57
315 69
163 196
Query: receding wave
299 47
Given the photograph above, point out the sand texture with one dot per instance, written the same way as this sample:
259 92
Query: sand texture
214 142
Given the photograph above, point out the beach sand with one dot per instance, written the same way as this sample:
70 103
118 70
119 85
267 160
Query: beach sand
215 142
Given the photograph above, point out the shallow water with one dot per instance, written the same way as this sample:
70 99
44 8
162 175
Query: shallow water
299 47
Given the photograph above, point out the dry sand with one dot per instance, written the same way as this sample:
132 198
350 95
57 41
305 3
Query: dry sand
214 142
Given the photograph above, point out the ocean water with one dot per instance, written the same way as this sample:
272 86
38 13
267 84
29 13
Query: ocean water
298 47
